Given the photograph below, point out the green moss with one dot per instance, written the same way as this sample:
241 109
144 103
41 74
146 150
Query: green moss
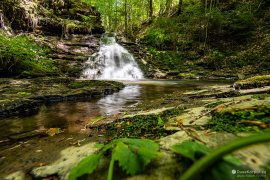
261 96
92 83
141 126
252 119
187 75
253 82
24 93
19 55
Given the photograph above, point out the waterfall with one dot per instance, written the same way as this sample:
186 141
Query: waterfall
2 23
5 28
112 62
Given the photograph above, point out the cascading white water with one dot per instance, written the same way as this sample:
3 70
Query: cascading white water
112 62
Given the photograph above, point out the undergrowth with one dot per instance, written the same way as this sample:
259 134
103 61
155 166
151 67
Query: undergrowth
19 55
229 34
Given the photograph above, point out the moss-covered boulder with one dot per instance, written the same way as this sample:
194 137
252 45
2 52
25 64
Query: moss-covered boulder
253 82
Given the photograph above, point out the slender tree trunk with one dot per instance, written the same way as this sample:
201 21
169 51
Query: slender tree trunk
206 26
150 8
180 6
126 18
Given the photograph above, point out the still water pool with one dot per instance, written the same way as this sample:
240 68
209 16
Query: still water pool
73 116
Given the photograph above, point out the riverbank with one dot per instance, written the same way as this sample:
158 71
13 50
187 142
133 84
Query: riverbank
25 96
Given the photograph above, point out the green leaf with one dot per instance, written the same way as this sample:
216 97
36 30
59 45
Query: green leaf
134 154
87 165
99 146
191 150
233 160
160 121
127 159
224 170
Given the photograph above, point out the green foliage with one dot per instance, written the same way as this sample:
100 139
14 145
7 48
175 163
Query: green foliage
215 166
218 34
167 59
133 156
253 82
160 121
241 120
86 166
24 93
139 126
191 150
194 151
150 126
19 55
215 59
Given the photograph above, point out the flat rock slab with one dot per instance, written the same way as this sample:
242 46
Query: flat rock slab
69 158
25 96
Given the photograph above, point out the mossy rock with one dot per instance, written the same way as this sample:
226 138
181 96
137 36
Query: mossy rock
245 119
150 126
253 82
187 75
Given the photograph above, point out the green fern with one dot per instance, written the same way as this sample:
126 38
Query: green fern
133 155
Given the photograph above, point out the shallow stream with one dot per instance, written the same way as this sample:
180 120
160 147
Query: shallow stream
72 118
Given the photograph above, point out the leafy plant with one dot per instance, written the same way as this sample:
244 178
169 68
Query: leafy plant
133 155
194 151
214 161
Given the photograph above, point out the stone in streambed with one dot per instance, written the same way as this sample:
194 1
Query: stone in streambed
62 166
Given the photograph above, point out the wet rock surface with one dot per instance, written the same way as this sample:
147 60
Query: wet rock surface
70 54
24 96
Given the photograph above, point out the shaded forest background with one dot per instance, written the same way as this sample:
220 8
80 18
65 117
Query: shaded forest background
181 38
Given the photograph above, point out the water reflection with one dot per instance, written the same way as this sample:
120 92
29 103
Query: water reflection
73 116
116 102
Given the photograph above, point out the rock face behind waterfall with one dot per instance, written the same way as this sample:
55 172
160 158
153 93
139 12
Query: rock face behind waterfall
59 25
61 17
112 62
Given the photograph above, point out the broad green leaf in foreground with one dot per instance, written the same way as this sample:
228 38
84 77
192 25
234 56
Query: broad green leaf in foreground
191 150
134 154
220 170
224 170
233 160
86 166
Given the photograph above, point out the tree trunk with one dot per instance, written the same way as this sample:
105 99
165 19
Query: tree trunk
126 18
180 6
150 8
